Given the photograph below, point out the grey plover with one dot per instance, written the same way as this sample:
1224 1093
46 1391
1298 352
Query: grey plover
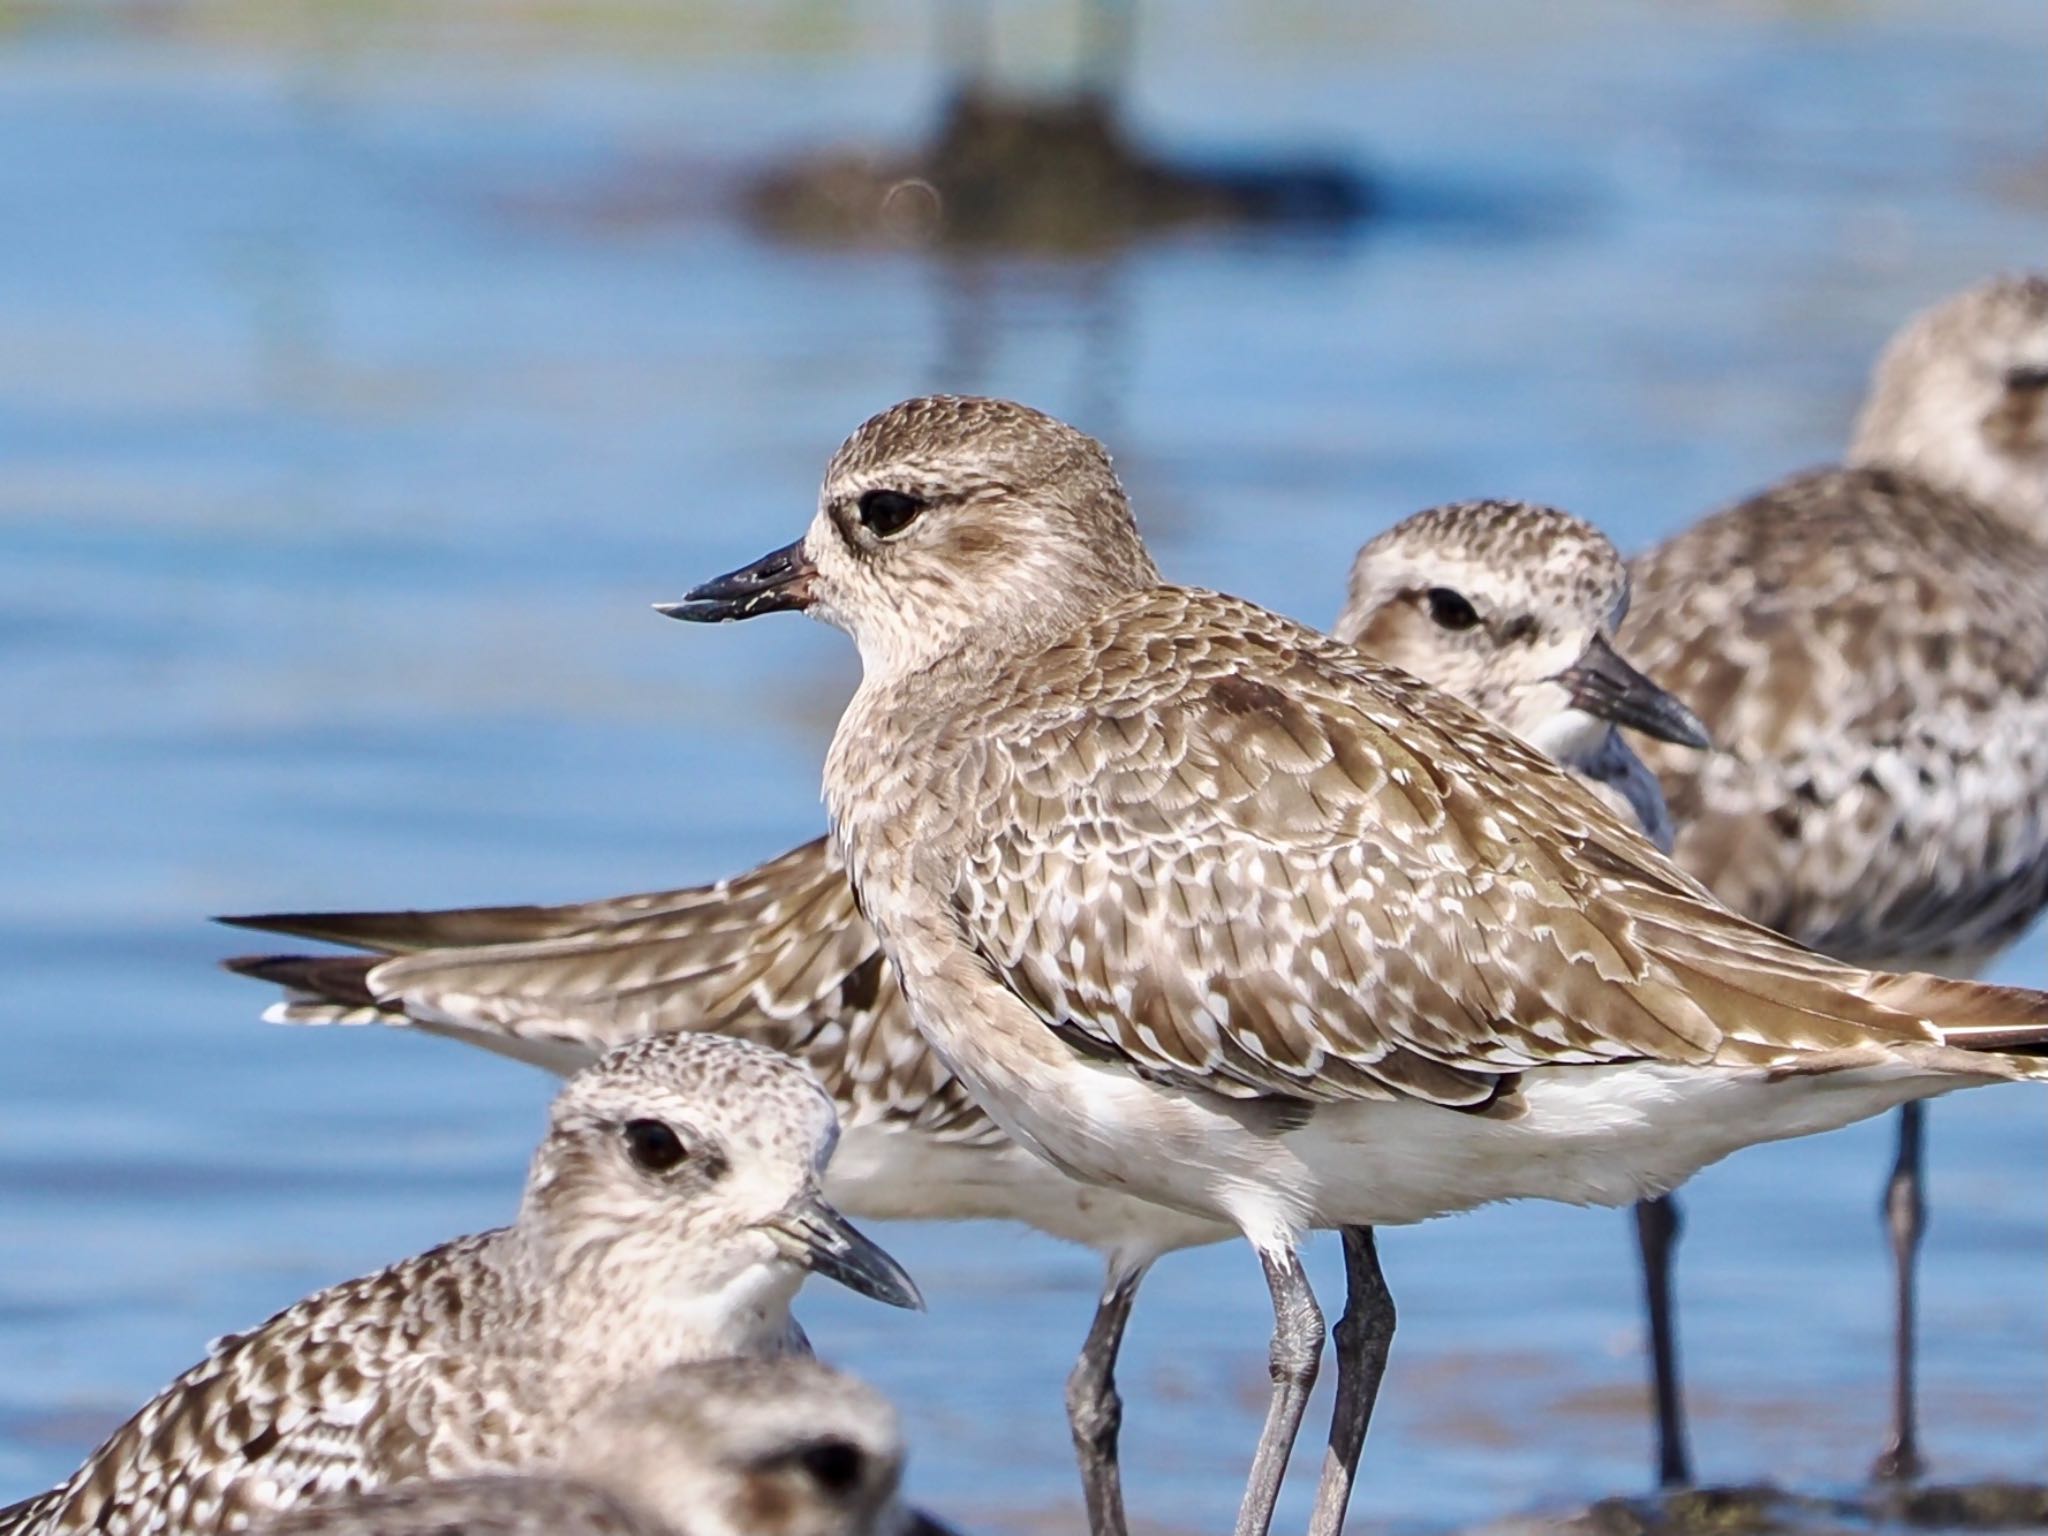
735 1447
1565 689
672 1211
1513 607
1870 645
1210 908
1508 604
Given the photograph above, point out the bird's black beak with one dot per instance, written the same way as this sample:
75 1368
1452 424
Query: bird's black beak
816 1236
1602 683
777 581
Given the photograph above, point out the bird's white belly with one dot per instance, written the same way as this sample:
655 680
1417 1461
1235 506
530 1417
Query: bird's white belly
893 1172
1586 1135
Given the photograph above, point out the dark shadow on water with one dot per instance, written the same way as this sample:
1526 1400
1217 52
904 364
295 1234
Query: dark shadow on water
1055 176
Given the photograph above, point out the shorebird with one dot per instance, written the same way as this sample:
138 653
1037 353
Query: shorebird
1208 907
735 1447
1513 607
1507 604
671 1213
1869 646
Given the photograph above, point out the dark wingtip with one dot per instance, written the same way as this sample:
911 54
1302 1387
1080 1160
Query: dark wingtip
384 932
407 930
341 979
295 923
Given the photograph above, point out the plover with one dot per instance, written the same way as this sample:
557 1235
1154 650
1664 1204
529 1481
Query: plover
1544 581
1513 607
1870 647
672 1211
1508 604
1208 907
735 1447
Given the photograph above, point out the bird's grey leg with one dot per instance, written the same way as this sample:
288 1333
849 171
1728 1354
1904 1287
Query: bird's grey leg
1296 1351
1094 1411
1657 1229
1905 1216
1364 1334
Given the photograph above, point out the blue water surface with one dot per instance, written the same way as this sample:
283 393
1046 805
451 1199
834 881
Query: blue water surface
366 372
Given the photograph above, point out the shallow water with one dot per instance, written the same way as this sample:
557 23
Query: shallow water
361 383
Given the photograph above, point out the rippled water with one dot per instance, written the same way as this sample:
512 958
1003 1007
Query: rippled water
362 383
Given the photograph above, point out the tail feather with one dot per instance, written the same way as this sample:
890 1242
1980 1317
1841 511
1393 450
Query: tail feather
1970 1015
408 932
340 980
2007 1026
2009 1043
760 895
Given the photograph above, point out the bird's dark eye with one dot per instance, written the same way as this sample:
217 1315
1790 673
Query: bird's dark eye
834 1465
887 513
1450 609
653 1146
2027 379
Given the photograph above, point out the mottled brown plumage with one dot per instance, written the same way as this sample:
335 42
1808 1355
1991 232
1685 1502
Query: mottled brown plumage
777 954
1877 683
781 955
734 1447
1253 837
1869 645
474 1356
1207 907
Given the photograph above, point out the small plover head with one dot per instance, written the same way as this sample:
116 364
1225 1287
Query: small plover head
1960 398
943 518
1512 607
697 1162
751 1447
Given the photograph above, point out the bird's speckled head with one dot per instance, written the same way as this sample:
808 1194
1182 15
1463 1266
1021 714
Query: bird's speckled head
694 1165
946 519
1512 607
750 1447
948 514
1960 398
